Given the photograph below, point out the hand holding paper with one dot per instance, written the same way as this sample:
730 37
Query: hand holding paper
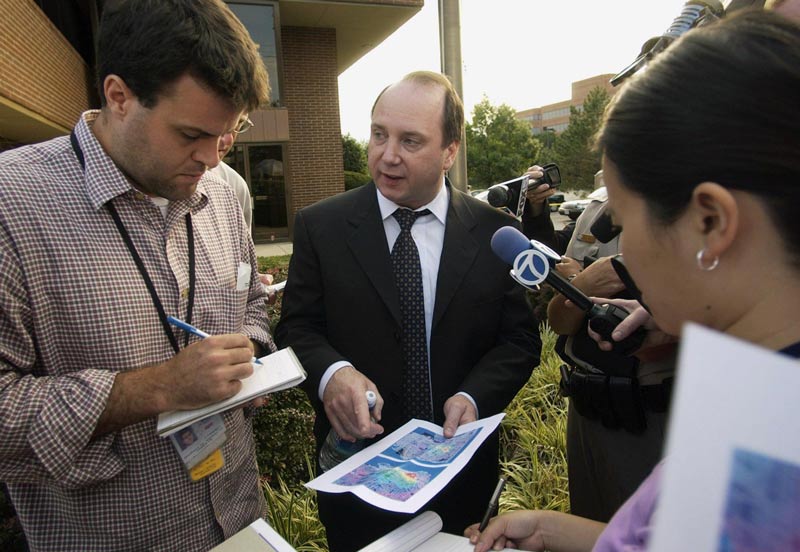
275 372
418 453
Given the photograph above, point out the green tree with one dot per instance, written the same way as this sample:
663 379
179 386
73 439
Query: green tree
354 154
499 146
546 143
573 149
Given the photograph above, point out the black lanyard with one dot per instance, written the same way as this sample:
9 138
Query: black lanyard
140 264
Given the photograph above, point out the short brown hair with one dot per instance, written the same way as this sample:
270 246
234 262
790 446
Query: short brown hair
151 43
453 113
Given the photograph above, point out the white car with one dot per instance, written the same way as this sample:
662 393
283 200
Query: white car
574 208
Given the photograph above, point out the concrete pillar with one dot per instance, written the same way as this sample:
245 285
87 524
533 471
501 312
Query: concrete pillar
450 48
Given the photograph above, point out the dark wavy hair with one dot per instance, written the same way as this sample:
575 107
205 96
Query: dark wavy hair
722 104
151 43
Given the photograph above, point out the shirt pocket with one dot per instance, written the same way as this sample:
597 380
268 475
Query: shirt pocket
222 309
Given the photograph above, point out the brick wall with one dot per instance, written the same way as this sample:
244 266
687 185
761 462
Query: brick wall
39 69
311 93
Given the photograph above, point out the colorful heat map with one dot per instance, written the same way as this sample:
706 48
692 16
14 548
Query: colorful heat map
398 482
398 475
424 446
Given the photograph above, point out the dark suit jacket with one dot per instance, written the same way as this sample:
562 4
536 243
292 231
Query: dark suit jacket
341 303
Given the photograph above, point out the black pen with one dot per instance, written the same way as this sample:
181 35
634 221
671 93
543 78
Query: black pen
493 503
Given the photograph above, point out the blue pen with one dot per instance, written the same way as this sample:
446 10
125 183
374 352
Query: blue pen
199 333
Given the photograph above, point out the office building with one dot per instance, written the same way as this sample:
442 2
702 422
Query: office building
555 117
290 159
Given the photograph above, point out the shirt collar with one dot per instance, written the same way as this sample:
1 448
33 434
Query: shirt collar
438 206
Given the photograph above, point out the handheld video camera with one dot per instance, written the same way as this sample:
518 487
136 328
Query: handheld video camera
510 195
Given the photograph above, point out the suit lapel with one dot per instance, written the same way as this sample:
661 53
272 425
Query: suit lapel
458 252
370 248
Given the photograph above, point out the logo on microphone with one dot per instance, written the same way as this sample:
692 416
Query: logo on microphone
531 267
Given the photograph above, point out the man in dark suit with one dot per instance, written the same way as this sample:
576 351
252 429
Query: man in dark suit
348 314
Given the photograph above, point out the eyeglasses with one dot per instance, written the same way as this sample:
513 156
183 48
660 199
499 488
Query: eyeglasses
244 126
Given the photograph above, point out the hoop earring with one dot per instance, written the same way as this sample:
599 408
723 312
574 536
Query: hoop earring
701 264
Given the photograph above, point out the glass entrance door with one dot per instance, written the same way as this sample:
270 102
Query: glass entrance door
261 165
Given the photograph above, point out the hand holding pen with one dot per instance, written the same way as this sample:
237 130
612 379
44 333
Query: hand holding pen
494 502
194 331
205 372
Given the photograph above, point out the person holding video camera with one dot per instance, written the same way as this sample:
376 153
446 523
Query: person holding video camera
536 222
715 211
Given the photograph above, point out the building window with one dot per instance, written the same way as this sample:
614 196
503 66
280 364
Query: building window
259 20
554 114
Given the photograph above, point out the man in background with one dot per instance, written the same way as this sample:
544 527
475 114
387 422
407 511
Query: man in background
393 288
103 235
238 184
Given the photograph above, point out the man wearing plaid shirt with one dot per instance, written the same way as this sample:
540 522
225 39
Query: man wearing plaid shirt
103 235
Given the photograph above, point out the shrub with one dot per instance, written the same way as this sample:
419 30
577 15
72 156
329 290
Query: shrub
284 438
353 180
283 428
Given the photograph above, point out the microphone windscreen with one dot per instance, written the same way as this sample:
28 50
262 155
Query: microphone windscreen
497 196
508 242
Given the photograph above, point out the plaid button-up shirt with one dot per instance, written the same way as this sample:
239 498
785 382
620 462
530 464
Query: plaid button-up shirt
75 311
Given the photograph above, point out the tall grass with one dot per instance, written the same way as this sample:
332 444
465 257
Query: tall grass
533 438
293 514
533 459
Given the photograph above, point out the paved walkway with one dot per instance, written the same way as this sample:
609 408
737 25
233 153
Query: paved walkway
274 249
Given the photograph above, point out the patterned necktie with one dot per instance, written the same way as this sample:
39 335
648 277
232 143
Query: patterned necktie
408 277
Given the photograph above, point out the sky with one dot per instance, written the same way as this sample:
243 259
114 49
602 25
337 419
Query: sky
524 53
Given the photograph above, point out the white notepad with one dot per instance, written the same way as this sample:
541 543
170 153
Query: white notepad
278 371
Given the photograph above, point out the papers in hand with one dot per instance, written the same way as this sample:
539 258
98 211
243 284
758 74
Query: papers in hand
403 471
274 288
732 467
277 371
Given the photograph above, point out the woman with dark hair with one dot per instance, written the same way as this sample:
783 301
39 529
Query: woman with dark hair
701 158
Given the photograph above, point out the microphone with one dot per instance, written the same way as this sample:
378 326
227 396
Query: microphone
532 261
498 196
509 195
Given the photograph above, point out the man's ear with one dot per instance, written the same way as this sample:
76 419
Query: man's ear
450 154
715 215
117 94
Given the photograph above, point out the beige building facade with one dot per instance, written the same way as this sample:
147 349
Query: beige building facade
555 117
290 159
